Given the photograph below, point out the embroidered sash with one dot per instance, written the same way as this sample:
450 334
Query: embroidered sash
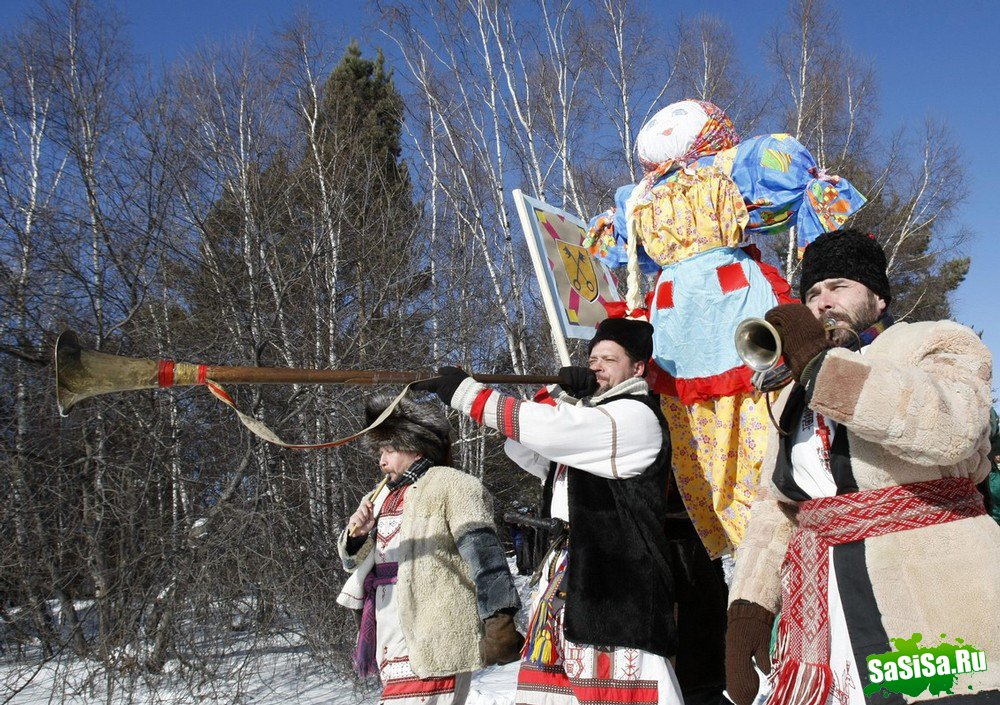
802 675
365 662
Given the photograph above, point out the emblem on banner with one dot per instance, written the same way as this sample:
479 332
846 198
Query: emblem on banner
580 270
576 289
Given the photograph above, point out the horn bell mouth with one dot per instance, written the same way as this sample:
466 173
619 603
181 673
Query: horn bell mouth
758 344
66 359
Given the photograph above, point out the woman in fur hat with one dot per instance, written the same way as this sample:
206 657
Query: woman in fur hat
428 571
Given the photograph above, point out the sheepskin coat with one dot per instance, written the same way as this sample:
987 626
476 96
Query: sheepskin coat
915 407
435 594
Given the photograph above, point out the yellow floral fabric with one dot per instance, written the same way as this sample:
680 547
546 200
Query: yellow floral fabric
692 211
717 463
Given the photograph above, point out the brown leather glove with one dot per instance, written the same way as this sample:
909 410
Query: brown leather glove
748 634
501 642
802 336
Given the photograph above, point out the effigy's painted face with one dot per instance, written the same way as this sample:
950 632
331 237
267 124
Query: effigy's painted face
611 365
395 462
844 301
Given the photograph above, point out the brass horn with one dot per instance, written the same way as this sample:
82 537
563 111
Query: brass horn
82 373
758 344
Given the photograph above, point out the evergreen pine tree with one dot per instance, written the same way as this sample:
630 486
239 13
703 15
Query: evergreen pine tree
380 278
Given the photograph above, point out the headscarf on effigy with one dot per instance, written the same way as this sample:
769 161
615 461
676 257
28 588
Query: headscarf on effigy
682 132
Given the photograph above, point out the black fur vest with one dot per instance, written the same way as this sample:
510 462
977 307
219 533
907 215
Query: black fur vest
619 589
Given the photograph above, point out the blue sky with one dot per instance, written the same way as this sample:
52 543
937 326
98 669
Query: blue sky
932 59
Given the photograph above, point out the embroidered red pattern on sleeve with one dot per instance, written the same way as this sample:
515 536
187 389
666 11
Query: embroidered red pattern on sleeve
509 416
508 412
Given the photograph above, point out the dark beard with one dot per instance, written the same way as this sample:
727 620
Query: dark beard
857 320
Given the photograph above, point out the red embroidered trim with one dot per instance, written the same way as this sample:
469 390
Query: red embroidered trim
507 417
202 374
479 406
599 690
537 678
418 686
732 277
165 373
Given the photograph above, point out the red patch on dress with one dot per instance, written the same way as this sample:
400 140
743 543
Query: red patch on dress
665 295
732 277
603 666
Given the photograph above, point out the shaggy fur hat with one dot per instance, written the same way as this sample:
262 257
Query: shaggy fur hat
846 254
633 335
418 428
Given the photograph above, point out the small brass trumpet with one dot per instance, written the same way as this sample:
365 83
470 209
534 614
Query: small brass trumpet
758 344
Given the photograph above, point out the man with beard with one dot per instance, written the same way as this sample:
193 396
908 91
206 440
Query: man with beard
602 622
871 517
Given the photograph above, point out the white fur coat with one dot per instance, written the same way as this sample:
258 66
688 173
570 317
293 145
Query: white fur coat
434 592
916 407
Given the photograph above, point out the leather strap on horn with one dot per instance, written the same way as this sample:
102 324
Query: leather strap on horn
259 429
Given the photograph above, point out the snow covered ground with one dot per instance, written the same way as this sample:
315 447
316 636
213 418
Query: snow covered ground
278 670
272 676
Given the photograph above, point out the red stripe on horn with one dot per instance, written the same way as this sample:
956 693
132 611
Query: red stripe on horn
165 373
202 373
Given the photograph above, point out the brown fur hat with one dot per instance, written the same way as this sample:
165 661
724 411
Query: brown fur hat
418 428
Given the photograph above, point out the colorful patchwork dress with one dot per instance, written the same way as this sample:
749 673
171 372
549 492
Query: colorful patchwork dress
689 222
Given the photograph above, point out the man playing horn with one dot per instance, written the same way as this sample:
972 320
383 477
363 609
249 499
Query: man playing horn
602 621
869 513
428 570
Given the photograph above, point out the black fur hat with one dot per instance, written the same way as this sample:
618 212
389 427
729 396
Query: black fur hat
633 335
846 254
418 428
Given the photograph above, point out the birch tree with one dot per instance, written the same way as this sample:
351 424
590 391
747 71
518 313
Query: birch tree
914 182
708 68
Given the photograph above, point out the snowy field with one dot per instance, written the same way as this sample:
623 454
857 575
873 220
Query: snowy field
278 670
276 675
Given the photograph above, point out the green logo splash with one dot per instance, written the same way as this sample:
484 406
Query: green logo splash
911 668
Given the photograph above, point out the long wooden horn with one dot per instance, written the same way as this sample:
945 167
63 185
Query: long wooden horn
83 373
